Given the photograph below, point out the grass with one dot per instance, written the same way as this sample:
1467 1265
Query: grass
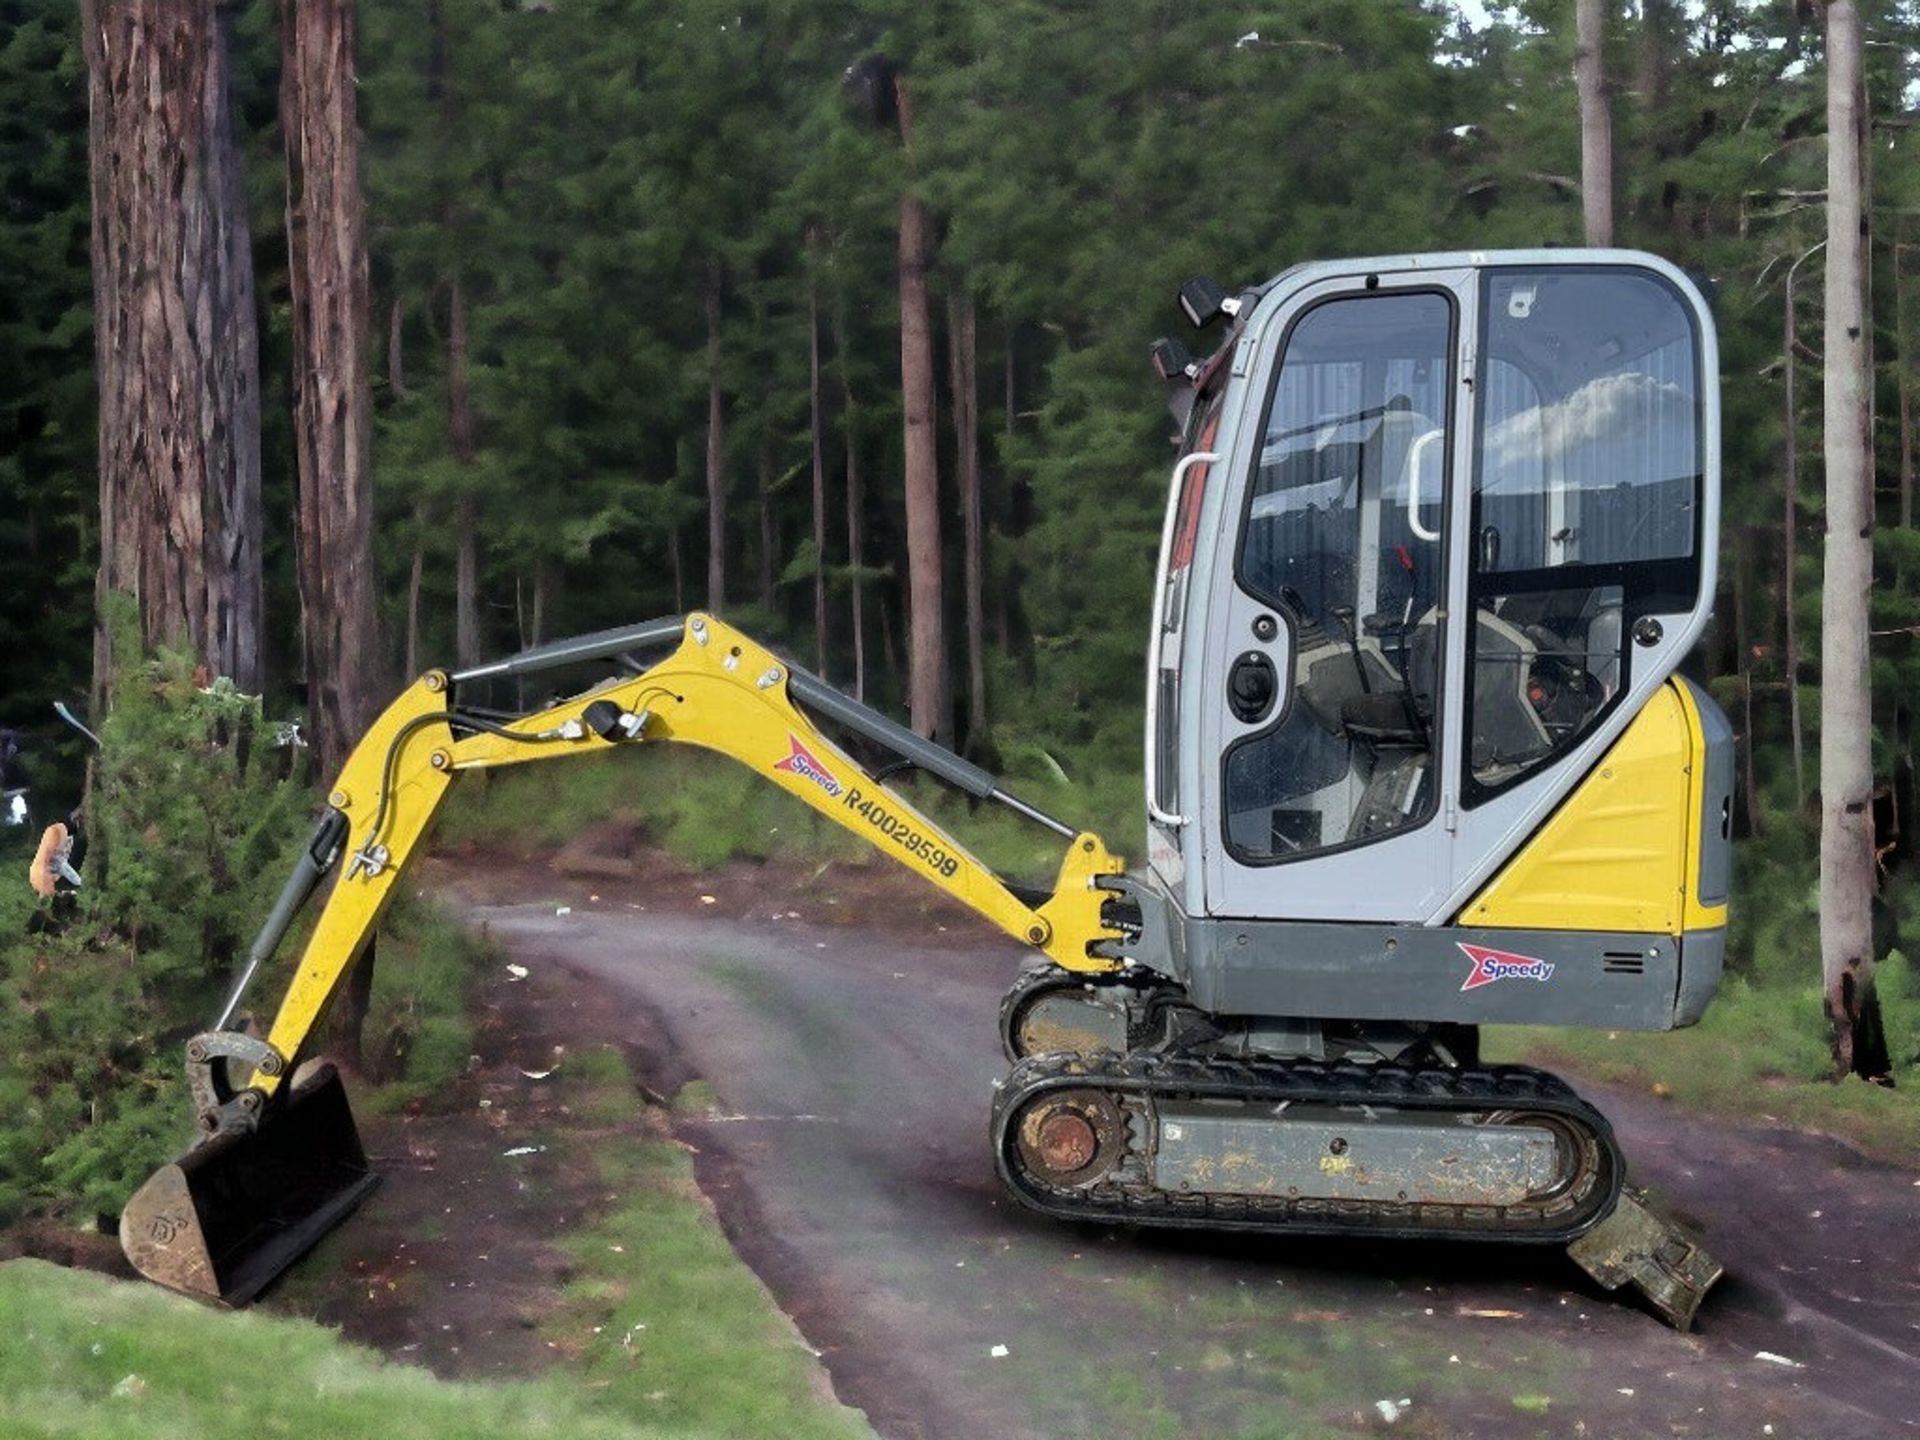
1760 1054
111 1360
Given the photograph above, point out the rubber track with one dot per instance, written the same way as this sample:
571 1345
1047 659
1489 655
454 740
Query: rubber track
1149 1077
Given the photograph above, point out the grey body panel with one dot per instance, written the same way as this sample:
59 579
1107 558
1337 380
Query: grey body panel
1706 954
1339 971
1332 970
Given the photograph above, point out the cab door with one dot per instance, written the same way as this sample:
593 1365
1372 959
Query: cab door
1589 574
1325 732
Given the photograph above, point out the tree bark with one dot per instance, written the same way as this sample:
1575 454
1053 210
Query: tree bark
926 701
1743 650
176 347
817 433
963 374
396 352
1847 864
466 539
542 600
716 449
856 539
678 567
416 574
769 531
1596 120
332 386
1790 532
1903 377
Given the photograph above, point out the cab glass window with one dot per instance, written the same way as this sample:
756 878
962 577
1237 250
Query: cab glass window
1342 537
1587 494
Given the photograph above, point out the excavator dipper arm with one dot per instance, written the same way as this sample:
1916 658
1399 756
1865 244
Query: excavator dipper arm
279 1164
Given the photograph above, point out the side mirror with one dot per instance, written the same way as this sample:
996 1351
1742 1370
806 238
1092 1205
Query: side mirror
1489 547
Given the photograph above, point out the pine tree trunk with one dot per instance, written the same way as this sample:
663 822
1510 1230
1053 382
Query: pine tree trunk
175 341
332 389
1007 386
416 573
1847 864
1659 42
1743 652
926 702
1002 606
396 352
816 430
1596 120
466 582
769 531
889 651
1903 377
542 600
856 557
1790 535
856 552
963 374
417 569
716 450
678 565
466 541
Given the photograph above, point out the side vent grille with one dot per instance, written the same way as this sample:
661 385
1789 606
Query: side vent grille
1623 962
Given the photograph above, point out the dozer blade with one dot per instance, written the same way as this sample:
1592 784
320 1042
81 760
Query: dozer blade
230 1215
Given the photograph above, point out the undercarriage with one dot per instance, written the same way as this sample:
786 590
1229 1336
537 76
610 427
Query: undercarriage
1126 1105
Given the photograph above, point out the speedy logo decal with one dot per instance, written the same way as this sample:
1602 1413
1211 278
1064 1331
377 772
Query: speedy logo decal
804 763
1492 965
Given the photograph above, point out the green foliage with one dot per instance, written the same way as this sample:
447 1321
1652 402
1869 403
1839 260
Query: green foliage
191 813
191 821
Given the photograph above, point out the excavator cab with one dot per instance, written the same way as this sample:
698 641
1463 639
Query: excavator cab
1442 531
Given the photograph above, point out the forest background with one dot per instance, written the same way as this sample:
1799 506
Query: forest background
636 309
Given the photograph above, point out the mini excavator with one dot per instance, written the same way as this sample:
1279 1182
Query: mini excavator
1419 759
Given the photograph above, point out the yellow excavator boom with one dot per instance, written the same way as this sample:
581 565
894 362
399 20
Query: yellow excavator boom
273 1172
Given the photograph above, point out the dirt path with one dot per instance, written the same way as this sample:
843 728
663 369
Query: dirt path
851 1070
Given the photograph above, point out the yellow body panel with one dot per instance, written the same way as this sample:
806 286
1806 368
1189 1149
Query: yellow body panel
1622 852
720 691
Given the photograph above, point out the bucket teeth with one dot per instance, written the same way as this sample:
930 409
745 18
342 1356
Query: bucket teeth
225 1219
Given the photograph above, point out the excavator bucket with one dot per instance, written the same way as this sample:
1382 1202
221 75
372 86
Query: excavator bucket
230 1215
